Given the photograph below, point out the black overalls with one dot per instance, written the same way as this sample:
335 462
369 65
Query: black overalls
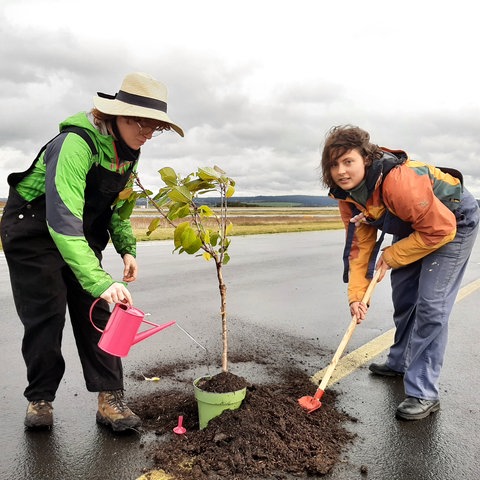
43 286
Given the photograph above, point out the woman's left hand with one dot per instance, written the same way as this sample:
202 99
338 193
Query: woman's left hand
131 268
358 219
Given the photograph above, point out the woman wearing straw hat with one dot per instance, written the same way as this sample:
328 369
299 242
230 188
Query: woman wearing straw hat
58 219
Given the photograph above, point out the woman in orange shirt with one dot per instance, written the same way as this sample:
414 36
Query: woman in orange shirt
434 223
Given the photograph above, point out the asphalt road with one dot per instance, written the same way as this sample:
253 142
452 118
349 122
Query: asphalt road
285 297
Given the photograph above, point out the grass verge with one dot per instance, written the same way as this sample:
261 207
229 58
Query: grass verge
166 233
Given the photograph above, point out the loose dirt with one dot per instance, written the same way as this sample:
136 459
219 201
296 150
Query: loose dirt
269 437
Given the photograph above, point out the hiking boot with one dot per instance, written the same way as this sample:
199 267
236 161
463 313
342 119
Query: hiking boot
39 414
114 412
384 370
413 408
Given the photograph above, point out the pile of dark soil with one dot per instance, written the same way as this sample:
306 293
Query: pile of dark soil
269 437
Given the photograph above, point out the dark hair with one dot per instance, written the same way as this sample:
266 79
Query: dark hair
340 140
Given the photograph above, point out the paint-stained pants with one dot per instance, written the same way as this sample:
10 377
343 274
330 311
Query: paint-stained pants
423 295
43 286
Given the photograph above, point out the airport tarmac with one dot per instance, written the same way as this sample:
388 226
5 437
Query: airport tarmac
287 287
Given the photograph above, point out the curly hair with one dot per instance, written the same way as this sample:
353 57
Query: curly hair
340 140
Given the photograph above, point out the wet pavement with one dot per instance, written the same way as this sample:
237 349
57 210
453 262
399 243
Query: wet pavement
285 297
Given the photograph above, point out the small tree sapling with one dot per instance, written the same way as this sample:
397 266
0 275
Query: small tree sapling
199 229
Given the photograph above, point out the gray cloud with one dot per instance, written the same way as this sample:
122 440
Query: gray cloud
269 142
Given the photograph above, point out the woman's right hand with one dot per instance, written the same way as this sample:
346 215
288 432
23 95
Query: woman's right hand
359 310
117 293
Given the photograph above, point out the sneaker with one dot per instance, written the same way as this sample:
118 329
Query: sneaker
114 412
384 370
39 414
416 408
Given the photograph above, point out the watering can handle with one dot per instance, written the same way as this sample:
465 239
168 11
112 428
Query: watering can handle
90 315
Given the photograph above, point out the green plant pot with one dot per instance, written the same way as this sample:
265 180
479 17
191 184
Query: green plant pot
211 405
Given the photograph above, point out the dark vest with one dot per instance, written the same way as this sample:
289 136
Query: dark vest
102 189
387 223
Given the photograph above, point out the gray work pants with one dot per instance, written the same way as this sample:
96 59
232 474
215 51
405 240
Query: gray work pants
423 295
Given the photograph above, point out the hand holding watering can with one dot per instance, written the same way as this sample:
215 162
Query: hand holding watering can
122 328
118 292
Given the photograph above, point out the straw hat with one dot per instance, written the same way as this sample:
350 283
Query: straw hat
139 96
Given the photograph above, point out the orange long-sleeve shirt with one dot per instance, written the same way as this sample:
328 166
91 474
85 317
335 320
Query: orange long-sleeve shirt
419 194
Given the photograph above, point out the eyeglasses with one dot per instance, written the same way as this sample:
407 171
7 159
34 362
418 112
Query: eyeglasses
147 130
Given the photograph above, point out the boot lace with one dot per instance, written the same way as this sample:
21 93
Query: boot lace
115 399
41 406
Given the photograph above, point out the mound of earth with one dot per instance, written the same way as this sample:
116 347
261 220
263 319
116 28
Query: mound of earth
269 437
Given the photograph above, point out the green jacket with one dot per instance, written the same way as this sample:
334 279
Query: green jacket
64 173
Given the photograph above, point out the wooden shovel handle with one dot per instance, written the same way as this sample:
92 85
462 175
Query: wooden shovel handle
348 333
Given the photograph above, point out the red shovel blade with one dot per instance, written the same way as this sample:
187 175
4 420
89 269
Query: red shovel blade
311 403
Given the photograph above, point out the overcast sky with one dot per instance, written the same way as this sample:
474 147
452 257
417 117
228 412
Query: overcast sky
255 84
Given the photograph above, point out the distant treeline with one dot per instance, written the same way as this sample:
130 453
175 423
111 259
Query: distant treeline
262 201
270 201
276 200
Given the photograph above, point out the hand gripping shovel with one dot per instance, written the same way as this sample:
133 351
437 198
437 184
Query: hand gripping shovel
312 403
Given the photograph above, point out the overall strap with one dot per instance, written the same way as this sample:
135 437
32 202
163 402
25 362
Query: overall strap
373 256
349 242
84 134
15 178
348 245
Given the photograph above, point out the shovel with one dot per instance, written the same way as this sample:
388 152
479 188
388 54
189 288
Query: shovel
312 403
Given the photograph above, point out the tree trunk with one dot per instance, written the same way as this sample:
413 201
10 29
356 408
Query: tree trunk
223 312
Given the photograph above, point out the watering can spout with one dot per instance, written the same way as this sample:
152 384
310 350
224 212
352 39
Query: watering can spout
151 331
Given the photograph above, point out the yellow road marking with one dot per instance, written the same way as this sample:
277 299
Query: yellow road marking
351 362
359 357
346 365
467 290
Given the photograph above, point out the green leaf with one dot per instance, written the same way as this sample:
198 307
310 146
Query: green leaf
207 256
124 194
177 234
190 241
126 210
178 210
230 191
214 236
205 211
225 245
169 176
208 173
161 198
198 184
153 225
226 258
219 170
183 212
180 194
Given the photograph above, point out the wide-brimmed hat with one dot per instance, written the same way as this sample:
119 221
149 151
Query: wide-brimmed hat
139 96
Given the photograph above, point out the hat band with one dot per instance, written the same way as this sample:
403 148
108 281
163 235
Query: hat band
140 101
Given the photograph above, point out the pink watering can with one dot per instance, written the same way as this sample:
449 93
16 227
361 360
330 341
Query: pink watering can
122 327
